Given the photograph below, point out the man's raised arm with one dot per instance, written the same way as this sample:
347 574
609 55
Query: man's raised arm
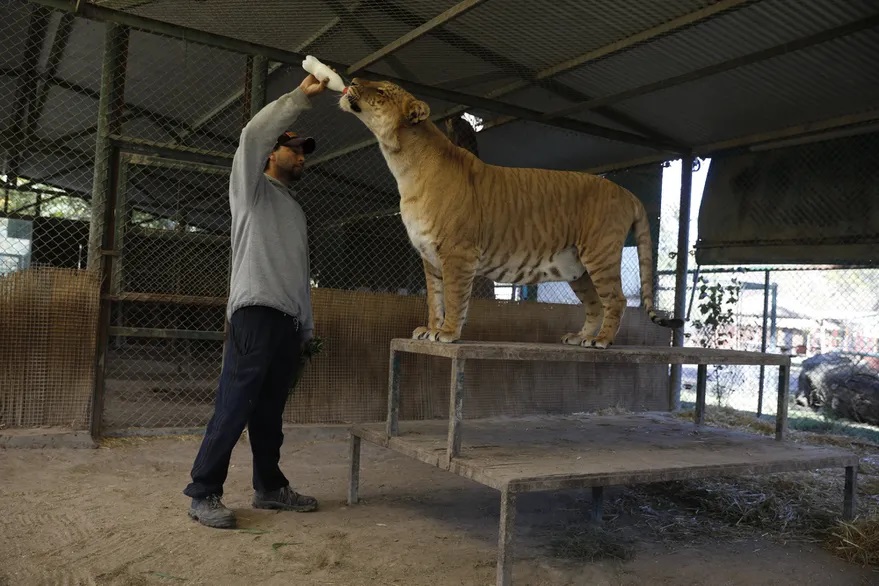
262 131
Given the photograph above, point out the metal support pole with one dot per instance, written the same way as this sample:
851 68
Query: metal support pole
763 342
102 224
773 317
258 76
674 387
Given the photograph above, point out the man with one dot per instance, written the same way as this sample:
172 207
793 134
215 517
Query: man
269 312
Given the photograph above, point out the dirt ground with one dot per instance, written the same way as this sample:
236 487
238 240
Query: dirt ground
116 516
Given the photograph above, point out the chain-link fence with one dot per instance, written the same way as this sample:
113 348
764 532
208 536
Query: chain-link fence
48 301
825 318
824 315
117 147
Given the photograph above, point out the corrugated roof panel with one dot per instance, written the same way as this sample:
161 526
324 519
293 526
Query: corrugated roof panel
434 62
201 78
8 88
66 112
728 36
536 98
82 59
276 23
530 144
539 35
822 82
367 24
13 33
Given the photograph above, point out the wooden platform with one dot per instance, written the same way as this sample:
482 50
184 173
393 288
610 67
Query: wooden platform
524 454
572 451
566 353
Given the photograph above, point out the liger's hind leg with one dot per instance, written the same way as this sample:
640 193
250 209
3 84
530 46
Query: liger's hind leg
588 296
603 267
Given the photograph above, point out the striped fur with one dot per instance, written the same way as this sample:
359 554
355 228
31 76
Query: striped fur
513 225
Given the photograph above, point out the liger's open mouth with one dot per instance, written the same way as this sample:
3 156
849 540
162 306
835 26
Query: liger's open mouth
352 101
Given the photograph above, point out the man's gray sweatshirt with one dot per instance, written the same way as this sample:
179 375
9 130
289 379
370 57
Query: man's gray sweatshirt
270 264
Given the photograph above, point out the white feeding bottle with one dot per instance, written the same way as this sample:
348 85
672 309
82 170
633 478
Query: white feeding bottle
321 72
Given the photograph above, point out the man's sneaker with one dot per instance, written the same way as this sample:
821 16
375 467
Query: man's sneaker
212 512
284 498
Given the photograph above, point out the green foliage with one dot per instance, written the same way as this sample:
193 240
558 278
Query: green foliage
716 325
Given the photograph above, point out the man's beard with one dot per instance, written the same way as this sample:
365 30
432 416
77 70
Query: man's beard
295 174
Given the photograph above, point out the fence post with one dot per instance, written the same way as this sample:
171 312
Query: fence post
254 100
104 187
763 342
674 387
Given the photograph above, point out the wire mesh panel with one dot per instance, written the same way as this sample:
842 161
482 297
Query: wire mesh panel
169 285
824 317
48 301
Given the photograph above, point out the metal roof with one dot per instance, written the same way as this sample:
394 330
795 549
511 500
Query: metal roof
568 84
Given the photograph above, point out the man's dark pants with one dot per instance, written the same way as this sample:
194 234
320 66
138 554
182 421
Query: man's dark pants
261 358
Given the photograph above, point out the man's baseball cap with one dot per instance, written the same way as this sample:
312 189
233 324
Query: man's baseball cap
292 139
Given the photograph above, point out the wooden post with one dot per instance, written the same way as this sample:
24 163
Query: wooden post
354 472
393 423
597 504
701 384
456 408
783 391
505 538
850 498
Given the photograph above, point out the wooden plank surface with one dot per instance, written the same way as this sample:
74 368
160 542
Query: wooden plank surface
571 451
562 352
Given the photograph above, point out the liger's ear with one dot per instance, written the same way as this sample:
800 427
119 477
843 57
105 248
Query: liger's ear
417 111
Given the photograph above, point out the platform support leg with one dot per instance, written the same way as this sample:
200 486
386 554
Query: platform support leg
354 472
505 538
850 502
597 504
783 392
456 409
701 388
392 427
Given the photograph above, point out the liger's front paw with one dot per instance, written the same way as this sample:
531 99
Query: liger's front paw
434 335
572 339
585 341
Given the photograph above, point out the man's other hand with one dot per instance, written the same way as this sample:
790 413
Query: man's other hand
310 86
